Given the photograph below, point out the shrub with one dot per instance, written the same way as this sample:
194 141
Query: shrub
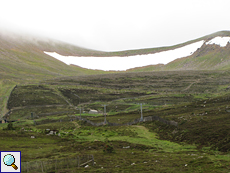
108 149
9 126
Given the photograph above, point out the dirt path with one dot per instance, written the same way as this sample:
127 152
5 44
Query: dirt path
76 125
190 85
125 98
60 95
38 106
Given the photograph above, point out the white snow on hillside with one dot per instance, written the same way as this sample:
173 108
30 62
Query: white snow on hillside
221 41
124 63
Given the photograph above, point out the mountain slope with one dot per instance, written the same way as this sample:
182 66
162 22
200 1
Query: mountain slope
24 59
207 57
193 55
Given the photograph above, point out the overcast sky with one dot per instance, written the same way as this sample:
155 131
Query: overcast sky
112 25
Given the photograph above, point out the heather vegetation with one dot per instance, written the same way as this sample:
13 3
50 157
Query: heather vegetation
198 101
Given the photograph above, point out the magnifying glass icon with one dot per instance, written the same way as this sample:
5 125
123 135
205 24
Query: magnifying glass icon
9 160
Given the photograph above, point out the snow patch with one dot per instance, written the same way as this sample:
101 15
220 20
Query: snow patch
124 63
221 41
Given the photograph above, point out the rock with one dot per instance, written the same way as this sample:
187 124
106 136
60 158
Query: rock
174 131
228 110
32 137
127 147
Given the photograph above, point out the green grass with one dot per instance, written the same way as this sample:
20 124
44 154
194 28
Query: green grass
135 148
150 139
4 94
87 114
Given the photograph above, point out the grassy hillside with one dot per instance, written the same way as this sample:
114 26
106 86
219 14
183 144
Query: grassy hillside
23 61
187 91
197 100
23 58
208 57
159 49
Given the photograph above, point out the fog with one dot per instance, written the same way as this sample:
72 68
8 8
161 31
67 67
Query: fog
116 25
